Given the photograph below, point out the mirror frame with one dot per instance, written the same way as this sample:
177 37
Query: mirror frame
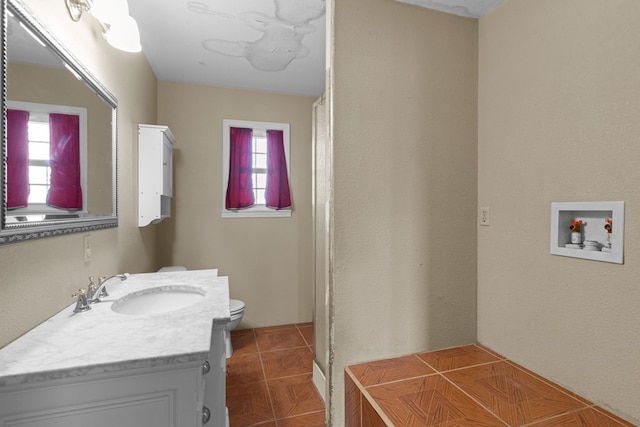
49 228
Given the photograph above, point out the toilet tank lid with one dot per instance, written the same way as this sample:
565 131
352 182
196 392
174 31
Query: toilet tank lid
236 305
172 268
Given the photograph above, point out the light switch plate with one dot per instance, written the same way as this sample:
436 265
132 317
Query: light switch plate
485 216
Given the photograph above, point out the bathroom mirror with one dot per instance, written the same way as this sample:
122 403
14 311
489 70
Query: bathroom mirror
59 136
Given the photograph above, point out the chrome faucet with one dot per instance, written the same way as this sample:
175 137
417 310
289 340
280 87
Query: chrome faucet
95 292
81 301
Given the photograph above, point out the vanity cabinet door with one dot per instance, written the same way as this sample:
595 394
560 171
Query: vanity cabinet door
158 399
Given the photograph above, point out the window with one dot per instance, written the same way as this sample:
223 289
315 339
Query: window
263 190
39 170
43 190
259 170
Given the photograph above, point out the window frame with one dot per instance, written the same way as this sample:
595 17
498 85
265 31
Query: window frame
258 210
40 108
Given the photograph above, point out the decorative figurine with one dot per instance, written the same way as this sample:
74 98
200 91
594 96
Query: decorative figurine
609 227
576 235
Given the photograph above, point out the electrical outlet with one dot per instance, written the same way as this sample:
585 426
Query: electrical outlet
485 216
86 245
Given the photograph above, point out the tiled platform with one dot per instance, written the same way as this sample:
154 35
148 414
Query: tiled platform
464 386
269 378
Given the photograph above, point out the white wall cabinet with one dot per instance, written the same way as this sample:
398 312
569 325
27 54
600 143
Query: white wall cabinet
155 173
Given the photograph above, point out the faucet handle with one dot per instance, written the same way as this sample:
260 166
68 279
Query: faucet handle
102 287
92 288
92 285
81 301
81 293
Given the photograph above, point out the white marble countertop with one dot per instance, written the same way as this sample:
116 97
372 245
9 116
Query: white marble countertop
100 340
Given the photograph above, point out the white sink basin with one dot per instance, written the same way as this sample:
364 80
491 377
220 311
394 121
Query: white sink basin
158 300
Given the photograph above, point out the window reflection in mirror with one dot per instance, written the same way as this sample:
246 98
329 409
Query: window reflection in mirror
46 161
72 187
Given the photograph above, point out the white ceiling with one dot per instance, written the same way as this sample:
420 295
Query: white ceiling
468 8
271 45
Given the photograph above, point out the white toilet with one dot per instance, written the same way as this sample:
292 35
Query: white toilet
236 307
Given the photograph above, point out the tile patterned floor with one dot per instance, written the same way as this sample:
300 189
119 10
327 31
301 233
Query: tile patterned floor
464 386
269 378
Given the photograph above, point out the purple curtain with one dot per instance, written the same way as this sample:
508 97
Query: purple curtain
277 192
17 159
64 157
240 187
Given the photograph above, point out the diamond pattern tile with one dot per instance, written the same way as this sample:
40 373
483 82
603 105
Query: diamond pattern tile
315 419
280 354
269 339
614 417
352 401
288 362
384 371
585 418
243 342
370 417
245 369
512 394
562 389
307 334
294 396
429 401
455 358
249 404
487 349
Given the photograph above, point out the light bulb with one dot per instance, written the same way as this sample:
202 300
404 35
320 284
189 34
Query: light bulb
124 35
110 11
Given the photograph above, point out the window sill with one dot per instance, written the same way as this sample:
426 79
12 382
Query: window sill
257 212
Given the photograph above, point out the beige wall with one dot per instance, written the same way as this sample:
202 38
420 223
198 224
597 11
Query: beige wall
38 277
559 103
404 95
268 260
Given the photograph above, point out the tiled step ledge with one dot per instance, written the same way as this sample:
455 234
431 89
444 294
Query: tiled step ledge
470 385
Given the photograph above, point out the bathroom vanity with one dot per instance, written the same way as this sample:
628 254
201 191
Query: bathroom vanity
151 354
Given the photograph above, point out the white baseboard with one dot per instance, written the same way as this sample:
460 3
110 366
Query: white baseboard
320 381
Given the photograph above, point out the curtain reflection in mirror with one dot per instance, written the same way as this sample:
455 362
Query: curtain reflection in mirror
64 191
17 159
36 179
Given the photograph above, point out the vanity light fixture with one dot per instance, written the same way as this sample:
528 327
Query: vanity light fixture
120 29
